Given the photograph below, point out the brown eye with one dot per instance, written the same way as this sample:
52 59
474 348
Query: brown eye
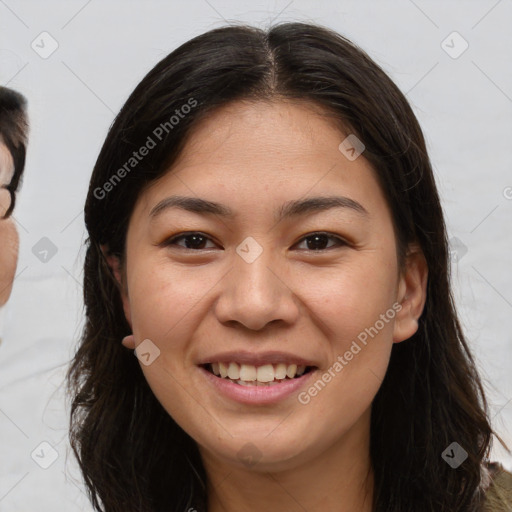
193 240
319 241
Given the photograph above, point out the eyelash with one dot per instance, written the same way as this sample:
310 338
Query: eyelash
171 241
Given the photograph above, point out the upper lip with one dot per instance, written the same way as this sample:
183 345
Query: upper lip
256 359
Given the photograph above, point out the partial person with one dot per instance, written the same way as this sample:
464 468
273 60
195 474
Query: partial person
13 146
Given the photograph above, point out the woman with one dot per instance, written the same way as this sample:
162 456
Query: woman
266 235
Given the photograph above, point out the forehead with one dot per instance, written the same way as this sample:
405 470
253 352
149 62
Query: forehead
6 164
277 149
288 127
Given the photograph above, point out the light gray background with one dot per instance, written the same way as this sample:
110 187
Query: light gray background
104 49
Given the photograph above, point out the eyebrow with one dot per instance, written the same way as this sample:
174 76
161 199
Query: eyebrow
289 209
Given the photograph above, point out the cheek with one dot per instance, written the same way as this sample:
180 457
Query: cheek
159 297
8 257
351 297
355 309
167 303
163 305
359 345
5 201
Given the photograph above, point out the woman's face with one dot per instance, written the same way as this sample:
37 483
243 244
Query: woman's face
245 280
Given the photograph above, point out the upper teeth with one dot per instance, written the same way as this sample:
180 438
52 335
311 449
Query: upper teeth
264 373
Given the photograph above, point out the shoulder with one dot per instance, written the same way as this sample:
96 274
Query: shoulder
498 497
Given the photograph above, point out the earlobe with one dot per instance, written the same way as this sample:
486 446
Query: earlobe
129 341
412 294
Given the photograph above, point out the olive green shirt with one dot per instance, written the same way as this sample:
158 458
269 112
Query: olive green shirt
498 497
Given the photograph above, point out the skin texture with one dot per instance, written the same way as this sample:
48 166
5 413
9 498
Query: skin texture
191 303
9 240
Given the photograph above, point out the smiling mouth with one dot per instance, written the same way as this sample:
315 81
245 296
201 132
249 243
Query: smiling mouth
264 375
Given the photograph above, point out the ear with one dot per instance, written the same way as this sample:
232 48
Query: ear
412 294
114 264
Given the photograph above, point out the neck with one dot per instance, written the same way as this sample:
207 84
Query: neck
339 479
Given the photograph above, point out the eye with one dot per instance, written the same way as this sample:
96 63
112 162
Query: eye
317 241
193 240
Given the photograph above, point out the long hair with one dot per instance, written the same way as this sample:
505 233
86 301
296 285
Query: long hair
132 454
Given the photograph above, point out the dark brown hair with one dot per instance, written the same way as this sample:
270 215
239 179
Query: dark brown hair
132 454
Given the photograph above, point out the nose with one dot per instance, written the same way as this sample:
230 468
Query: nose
257 293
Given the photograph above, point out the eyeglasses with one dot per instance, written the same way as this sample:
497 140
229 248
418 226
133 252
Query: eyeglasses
18 156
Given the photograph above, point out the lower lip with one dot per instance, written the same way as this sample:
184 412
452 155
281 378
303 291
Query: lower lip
257 394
